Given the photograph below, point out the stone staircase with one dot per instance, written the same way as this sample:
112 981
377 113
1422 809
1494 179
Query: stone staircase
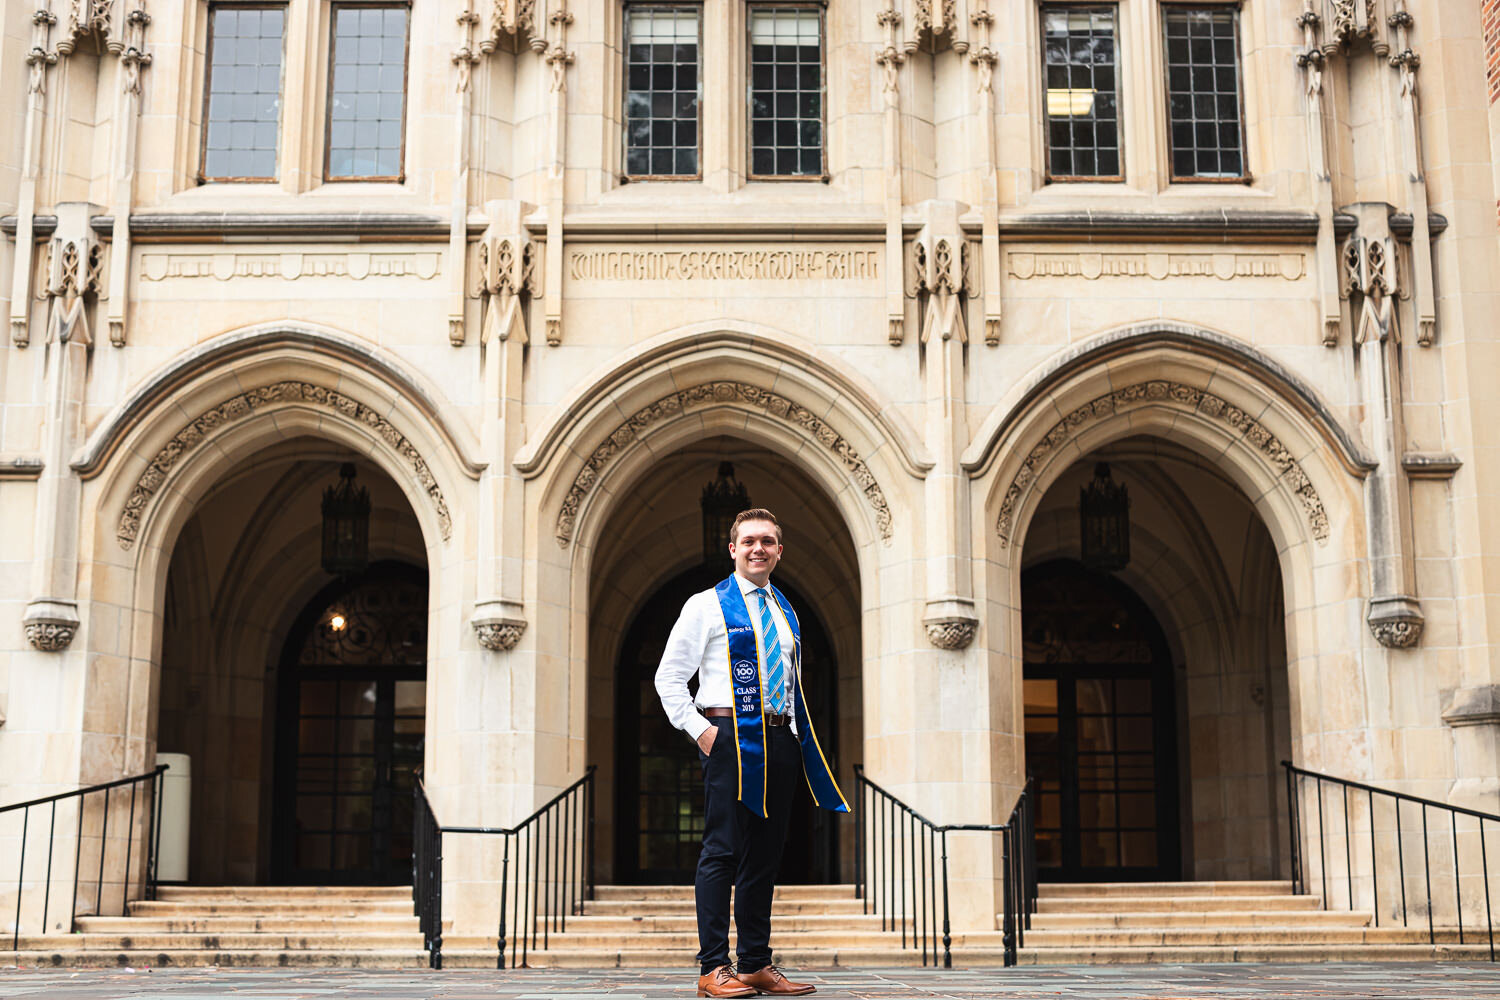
816 927
308 927
1109 923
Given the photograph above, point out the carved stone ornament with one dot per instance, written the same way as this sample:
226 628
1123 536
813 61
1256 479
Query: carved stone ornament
1395 622
951 633
1158 392
719 394
246 403
50 637
499 636
1399 634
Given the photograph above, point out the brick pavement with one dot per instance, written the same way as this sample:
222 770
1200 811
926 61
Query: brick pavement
1444 981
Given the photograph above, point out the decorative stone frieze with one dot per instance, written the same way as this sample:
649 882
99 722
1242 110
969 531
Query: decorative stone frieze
246 403
717 394
1159 392
289 266
1024 266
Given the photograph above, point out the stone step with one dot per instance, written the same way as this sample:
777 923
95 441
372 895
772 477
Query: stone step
684 907
151 942
1200 918
267 924
689 923
685 942
299 908
270 893
685 892
358 959
1149 904
1251 953
1235 937
979 957
1089 890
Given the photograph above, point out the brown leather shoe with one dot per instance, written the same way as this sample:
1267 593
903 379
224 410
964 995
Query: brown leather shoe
771 982
722 983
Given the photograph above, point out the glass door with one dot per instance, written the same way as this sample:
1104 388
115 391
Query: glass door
351 723
1100 729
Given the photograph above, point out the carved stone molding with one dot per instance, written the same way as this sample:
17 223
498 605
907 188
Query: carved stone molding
246 403
951 633
1188 397
499 636
1473 706
50 637
718 394
1395 622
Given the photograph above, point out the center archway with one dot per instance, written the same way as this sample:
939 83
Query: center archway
650 556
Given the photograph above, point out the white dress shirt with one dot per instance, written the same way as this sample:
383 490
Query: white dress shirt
699 644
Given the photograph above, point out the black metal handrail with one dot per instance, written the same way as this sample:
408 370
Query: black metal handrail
901 857
150 810
1297 781
554 851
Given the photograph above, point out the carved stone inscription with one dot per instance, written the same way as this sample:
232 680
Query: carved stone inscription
1156 266
723 264
289 266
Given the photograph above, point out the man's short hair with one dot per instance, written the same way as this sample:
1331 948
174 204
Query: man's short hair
753 514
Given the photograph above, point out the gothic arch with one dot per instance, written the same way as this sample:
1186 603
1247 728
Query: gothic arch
684 385
1271 433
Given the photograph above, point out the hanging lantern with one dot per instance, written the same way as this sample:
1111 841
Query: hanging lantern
1104 522
346 525
723 499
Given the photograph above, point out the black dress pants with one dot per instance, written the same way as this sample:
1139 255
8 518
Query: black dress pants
742 849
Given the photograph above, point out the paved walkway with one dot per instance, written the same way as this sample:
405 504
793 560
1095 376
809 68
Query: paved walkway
1444 981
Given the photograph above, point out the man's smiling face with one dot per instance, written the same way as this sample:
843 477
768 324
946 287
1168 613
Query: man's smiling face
756 549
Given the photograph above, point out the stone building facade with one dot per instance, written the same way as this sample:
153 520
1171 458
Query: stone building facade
923 271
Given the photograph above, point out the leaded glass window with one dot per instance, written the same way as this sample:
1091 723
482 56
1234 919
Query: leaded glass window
661 92
1082 96
242 115
367 92
1203 92
786 92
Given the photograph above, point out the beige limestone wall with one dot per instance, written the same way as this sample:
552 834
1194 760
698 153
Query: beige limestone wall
510 728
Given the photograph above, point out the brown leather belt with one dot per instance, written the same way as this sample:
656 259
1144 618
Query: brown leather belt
772 719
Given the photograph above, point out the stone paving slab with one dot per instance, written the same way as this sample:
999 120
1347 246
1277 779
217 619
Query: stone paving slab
1366 981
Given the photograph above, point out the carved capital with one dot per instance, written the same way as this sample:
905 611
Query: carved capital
1396 622
951 633
500 636
48 637
50 625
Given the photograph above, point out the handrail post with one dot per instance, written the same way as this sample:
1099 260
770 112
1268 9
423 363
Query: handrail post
21 879
947 929
1008 932
504 886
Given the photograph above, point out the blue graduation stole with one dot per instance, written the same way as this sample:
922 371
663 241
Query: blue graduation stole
747 677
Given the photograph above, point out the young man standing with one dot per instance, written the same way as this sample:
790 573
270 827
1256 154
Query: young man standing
755 743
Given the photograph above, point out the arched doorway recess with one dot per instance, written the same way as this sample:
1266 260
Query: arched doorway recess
244 601
1157 697
648 559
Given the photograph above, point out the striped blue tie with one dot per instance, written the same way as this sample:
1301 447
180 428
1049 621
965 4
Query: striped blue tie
771 640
